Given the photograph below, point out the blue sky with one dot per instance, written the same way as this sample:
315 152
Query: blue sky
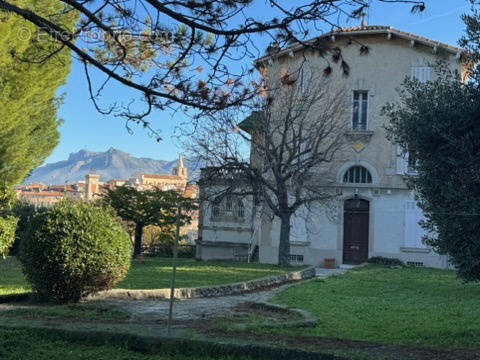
85 128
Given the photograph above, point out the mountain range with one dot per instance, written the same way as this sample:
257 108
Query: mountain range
111 164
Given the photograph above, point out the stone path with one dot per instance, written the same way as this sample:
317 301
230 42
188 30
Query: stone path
189 309
325 273
202 308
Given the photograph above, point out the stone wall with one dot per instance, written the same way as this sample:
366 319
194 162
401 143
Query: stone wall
212 291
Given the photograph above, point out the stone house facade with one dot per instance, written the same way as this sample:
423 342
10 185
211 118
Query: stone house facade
374 213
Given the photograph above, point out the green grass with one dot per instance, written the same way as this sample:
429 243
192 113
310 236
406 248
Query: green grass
16 344
155 273
412 306
12 280
80 312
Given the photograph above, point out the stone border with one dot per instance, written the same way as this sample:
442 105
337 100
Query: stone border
202 292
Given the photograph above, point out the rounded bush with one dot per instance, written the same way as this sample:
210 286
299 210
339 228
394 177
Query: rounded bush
74 249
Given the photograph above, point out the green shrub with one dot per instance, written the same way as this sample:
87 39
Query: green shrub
8 226
380 260
159 242
74 249
25 212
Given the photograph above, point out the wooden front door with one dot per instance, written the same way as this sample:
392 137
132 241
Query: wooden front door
355 231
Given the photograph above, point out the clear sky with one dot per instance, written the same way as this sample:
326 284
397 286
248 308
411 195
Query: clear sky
85 128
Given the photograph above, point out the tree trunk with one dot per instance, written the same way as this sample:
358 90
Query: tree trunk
137 250
284 246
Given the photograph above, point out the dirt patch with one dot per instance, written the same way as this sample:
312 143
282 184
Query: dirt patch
339 346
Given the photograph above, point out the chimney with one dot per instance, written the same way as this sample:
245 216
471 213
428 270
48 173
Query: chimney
364 21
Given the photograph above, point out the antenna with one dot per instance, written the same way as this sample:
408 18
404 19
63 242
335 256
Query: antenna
367 14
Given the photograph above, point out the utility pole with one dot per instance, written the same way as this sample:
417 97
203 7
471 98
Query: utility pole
174 271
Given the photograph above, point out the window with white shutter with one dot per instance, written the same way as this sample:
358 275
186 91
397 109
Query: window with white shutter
421 73
413 231
405 164
305 79
402 161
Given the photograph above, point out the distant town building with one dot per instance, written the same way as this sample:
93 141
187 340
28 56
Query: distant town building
176 181
93 185
41 195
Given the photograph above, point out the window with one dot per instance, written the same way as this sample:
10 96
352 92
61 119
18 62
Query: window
240 209
296 258
415 263
406 162
229 208
305 77
228 204
421 73
360 108
411 163
414 232
216 210
357 175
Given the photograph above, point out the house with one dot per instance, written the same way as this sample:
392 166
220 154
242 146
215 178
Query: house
176 181
40 195
374 213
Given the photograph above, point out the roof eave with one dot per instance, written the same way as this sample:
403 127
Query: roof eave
400 34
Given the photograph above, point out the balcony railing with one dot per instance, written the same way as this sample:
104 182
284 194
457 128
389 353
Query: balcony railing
215 173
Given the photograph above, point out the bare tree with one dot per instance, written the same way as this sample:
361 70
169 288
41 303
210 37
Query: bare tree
297 131
186 53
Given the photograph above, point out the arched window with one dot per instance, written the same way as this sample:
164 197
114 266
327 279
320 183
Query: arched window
240 209
229 204
216 210
357 175
228 208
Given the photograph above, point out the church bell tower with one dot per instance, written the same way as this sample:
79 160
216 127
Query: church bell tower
180 169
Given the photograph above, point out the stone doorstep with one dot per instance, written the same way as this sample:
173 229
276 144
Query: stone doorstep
200 292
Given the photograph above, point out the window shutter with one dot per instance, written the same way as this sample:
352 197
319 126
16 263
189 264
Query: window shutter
421 73
305 79
413 231
402 161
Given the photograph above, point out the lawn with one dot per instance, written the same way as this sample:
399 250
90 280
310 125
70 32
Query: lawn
12 280
16 344
411 306
155 273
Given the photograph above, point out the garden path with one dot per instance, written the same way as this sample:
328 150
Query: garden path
202 308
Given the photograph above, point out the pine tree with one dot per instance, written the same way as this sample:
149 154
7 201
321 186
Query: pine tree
29 81
32 68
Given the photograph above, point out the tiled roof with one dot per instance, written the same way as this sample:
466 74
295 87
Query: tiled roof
61 188
159 176
371 30
42 194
